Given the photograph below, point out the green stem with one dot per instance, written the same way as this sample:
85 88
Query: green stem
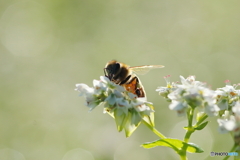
190 127
159 134
183 157
191 111
154 130
188 134
232 150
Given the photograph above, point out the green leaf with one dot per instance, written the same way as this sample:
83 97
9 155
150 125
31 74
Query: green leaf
201 126
120 120
186 128
201 117
175 144
132 123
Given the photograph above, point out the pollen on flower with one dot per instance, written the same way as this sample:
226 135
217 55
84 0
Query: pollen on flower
232 93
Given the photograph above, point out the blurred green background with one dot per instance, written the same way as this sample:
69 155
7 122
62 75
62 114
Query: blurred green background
47 46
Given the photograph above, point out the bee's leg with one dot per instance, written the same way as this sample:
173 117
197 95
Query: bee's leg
140 92
139 89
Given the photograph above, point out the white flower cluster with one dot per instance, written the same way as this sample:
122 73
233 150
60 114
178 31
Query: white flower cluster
228 99
126 108
230 122
165 91
227 96
191 93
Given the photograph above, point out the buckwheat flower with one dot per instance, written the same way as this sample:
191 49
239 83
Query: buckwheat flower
209 102
179 106
226 125
92 100
188 81
84 89
211 109
192 93
231 123
126 108
99 86
236 109
165 91
227 96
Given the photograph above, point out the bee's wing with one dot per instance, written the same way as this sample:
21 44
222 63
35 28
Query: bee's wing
141 70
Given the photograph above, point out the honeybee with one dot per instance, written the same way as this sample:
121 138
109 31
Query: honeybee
125 76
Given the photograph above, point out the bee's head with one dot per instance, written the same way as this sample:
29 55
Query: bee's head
111 69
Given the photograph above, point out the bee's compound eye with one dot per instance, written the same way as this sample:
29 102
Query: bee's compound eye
116 67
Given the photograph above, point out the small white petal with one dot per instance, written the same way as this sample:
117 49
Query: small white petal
220 93
141 108
183 80
111 99
226 125
137 102
99 85
212 110
226 114
236 108
122 102
119 88
230 125
117 93
177 105
191 79
175 95
222 128
84 89
104 79
92 105
131 95
162 89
